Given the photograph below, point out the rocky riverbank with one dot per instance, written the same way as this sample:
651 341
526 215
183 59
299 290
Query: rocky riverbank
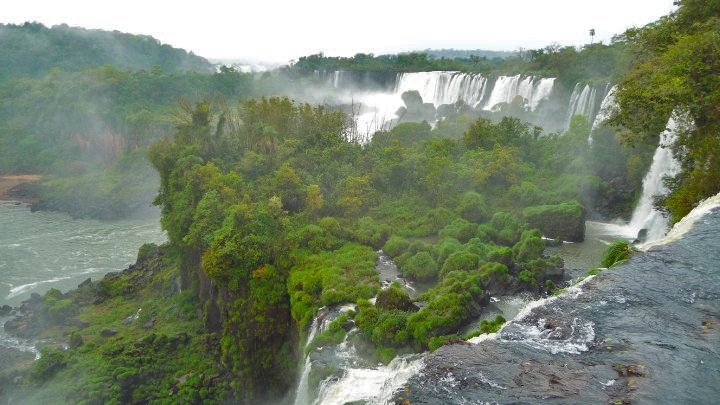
9 190
124 336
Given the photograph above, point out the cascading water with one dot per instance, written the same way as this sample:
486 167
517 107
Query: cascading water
645 216
443 87
377 109
583 101
606 107
508 87
449 87
302 394
371 385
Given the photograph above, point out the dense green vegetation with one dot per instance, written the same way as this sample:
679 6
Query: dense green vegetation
89 131
676 68
81 107
273 213
33 50
72 122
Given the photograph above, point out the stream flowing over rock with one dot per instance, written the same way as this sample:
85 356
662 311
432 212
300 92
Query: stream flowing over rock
645 332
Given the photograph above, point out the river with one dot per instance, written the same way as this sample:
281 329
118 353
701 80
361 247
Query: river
43 250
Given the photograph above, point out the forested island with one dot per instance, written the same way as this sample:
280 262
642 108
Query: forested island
278 212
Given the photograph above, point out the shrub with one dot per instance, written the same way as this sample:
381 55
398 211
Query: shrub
421 267
494 277
50 361
394 298
501 255
369 232
492 326
505 229
146 251
564 221
331 225
449 305
440 341
473 207
462 260
459 229
544 268
617 253
531 246
527 277
446 247
395 246
478 247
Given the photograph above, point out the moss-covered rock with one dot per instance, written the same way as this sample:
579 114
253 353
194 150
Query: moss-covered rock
564 221
394 298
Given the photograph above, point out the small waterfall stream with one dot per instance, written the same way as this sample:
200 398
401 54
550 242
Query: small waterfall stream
645 216
606 107
302 394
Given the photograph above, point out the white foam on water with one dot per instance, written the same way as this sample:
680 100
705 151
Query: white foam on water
15 291
372 385
12 342
685 224
585 329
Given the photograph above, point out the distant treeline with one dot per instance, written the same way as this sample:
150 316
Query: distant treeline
32 49
464 53
569 64
73 121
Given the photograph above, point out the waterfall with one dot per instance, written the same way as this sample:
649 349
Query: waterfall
443 87
606 107
302 394
377 106
543 89
645 216
369 385
508 87
449 87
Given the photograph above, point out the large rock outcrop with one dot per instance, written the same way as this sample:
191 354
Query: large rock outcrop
564 221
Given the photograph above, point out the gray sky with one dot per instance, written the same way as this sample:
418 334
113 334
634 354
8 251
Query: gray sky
274 30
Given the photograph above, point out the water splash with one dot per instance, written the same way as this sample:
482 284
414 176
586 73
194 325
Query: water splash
370 385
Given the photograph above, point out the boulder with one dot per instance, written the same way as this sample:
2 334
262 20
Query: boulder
564 221
108 332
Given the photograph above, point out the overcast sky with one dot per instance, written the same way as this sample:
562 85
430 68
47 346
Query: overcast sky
273 30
